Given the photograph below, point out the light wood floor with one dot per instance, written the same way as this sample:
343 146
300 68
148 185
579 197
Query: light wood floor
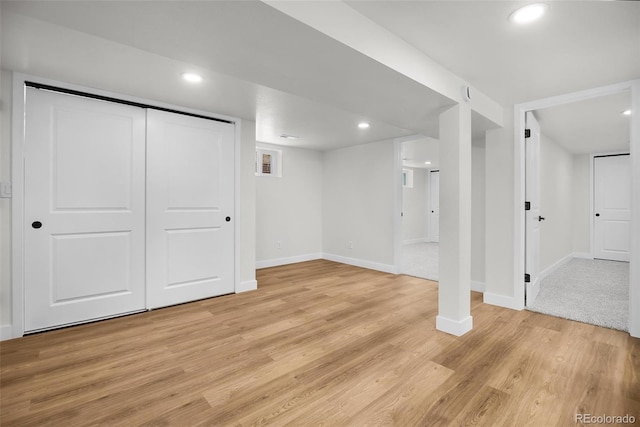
320 343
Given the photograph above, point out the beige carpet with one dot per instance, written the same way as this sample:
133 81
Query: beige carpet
589 291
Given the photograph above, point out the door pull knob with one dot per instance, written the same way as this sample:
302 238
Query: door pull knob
36 224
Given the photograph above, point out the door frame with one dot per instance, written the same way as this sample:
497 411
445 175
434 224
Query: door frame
17 180
398 196
633 87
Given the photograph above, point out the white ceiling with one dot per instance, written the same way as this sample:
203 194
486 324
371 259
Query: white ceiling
415 152
591 126
259 64
576 45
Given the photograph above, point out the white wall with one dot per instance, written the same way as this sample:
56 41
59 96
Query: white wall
556 202
414 208
247 212
478 211
358 205
289 209
499 219
581 220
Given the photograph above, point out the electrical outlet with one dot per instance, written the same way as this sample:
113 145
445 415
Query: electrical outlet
350 244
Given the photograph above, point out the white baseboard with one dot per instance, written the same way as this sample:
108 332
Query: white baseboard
288 260
454 327
562 261
414 241
583 255
503 301
361 263
6 332
477 286
247 285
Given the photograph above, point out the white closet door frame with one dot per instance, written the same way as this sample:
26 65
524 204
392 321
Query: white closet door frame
17 180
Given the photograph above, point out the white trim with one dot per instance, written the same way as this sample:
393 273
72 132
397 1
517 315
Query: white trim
518 233
247 285
386 268
454 327
398 194
275 262
414 241
583 255
17 179
634 266
477 286
514 303
556 265
238 287
517 301
6 332
591 203
17 204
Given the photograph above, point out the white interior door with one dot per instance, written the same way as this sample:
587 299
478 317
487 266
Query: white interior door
612 204
532 216
434 211
84 210
190 202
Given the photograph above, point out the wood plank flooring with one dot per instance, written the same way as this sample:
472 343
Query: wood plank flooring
320 343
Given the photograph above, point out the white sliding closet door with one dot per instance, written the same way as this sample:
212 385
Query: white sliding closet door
190 202
84 212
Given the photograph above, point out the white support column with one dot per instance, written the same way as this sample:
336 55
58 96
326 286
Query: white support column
454 292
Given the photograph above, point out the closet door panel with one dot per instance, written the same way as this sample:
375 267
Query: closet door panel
84 211
190 201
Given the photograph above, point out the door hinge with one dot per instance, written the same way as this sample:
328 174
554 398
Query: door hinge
527 278
527 206
527 133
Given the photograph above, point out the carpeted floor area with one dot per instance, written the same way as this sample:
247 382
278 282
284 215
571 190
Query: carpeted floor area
421 260
590 291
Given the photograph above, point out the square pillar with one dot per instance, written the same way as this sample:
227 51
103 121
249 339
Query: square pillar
454 291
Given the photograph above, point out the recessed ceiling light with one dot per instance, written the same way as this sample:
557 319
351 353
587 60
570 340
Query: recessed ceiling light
287 136
528 13
627 112
427 163
363 125
192 77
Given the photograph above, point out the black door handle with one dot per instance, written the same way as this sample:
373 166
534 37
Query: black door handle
228 219
36 224
540 218
597 214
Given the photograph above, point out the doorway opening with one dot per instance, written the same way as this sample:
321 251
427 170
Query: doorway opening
419 252
577 233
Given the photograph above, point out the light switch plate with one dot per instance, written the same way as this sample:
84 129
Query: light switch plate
5 190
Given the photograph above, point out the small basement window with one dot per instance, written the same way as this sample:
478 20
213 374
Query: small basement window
268 162
407 178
